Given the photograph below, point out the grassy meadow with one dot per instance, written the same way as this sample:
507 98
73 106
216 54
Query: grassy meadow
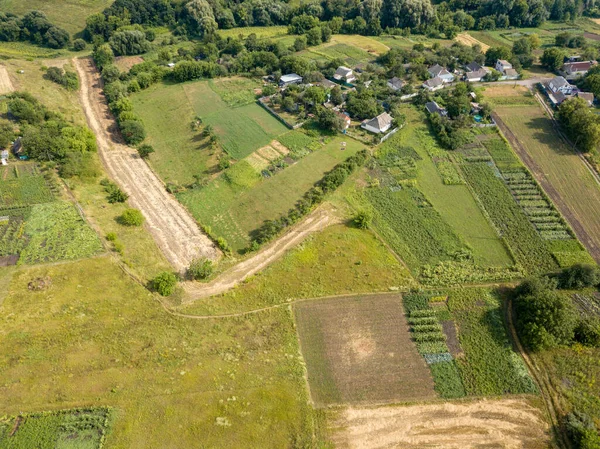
95 338
68 14
240 199
228 105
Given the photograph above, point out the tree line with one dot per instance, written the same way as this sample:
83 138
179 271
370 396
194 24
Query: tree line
33 27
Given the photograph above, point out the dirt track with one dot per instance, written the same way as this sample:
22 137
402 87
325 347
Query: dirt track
508 423
6 86
317 221
174 230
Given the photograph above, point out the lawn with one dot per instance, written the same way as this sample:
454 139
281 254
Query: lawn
240 200
338 260
558 165
96 338
68 14
359 350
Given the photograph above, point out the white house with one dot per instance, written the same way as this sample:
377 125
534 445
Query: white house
395 83
477 76
380 124
437 71
502 65
433 84
344 74
291 78
560 84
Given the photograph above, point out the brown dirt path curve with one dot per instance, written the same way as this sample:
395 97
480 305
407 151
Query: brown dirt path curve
315 222
174 230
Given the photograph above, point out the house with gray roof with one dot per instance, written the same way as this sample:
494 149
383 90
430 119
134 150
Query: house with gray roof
380 124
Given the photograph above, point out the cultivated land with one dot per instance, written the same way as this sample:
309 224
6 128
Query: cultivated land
174 230
359 350
507 423
561 172
467 39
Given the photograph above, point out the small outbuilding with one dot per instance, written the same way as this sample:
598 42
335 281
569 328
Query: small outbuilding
344 74
291 78
395 83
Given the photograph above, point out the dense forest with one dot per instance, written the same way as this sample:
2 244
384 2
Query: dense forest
370 17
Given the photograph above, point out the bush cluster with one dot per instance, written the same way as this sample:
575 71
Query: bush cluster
65 78
33 27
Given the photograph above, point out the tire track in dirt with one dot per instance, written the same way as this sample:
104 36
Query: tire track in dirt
579 229
315 222
6 85
174 230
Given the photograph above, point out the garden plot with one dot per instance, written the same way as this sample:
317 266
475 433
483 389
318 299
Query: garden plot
359 350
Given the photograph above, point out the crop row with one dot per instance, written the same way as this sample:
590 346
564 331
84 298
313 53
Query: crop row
513 225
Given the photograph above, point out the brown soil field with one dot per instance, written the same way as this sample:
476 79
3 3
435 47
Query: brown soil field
124 63
592 36
280 147
60 63
172 227
467 39
315 222
6 85
508 423
358 350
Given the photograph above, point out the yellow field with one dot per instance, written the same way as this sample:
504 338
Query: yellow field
467 39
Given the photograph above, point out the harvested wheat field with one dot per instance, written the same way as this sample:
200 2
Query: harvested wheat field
359 350
509 423
504 90
6 85
467 39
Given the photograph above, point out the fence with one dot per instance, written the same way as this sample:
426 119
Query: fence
276 115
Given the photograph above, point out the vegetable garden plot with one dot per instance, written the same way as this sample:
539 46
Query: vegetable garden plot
23 185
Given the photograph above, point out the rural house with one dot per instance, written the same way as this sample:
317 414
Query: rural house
437 71
574 70
292 78
473 67
587 96
502 65
345 120
380 124
433 84
18 150
477 76
395 83
345 75
560 84
433 108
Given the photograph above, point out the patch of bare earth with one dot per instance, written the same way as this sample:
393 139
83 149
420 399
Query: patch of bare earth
6 85
507 423
358 350
124 63
172 227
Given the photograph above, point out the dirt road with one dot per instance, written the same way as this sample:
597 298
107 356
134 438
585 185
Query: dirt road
507 423
317 221
176 233
6 85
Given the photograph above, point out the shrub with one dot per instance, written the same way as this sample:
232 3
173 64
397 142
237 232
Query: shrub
133 132
115 194
200 269
579 276
79 45
145 151
111 236
582 431
363 219
164 283
131 217
587 332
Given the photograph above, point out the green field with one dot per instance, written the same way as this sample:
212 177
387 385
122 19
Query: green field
338 260
68 14
240 200
226 104
96 337
22 185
